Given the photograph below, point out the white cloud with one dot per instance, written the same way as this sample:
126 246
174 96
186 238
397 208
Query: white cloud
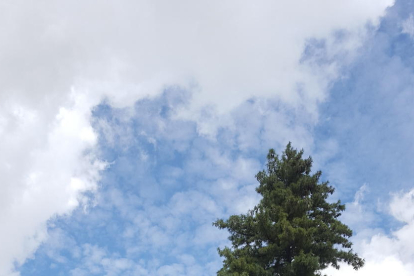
97 261
387 254
386 266
408 26
358 215
402 207
43 171
224 52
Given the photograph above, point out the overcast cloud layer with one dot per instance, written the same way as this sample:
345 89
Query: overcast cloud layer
127 127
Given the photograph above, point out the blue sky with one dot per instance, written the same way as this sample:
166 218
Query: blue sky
128 129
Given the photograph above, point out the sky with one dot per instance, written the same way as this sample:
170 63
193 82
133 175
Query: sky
128 127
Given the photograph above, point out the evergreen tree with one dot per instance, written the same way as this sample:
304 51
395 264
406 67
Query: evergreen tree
294 230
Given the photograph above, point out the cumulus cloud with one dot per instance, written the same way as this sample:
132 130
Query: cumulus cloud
387 254
60 59
44 169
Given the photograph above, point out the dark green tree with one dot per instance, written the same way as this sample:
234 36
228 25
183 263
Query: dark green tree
294 230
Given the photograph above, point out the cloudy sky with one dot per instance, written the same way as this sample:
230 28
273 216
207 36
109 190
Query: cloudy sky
128 127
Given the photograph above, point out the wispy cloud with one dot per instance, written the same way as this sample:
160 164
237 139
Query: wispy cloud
408 26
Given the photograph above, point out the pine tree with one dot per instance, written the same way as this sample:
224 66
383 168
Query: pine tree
294 230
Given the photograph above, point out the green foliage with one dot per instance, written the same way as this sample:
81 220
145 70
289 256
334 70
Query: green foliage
293 230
